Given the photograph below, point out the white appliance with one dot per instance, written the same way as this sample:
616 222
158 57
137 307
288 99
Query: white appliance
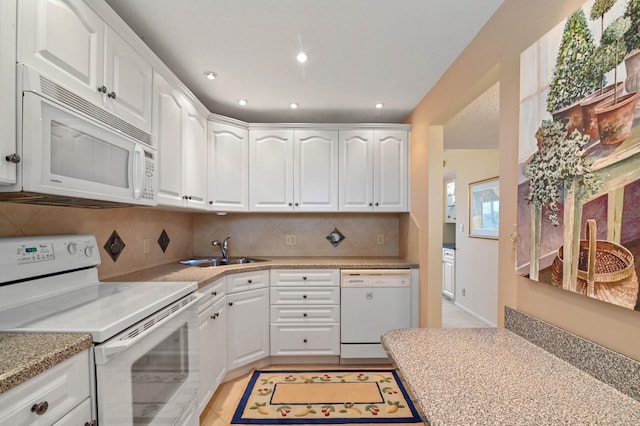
71 152
145 334
372 302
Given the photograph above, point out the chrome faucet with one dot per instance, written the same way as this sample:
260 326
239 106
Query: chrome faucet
223 246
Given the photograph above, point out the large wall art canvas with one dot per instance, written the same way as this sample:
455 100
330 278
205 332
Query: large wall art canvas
579 154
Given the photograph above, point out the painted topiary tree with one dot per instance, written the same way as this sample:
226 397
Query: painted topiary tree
598 10
575 75
612 50
632 37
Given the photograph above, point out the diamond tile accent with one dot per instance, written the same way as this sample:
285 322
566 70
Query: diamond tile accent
164 241
114 246
335 237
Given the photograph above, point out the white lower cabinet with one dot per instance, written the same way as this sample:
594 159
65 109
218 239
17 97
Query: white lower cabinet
247 311
212 326
305 312
60 396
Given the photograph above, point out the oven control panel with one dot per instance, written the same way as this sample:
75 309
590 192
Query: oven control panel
23 258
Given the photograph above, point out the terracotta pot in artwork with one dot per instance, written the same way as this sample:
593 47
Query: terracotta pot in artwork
615 121
589 104
632 83
572 114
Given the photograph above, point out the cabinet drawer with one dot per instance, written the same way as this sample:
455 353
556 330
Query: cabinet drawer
62 387
305 295
310 277
212 293
247 281
305 339
305 314
81 415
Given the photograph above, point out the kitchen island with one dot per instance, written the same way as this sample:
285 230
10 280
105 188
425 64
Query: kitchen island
494 376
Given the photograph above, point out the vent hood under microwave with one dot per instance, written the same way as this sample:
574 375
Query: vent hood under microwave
71 152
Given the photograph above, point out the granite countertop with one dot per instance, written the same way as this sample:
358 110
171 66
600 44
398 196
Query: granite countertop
493 376
24 355
177 272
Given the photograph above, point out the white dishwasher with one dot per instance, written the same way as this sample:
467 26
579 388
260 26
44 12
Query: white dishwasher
372 302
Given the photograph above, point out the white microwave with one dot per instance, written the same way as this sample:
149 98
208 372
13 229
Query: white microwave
74 153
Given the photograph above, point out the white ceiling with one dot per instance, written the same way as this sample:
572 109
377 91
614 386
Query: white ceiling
361 52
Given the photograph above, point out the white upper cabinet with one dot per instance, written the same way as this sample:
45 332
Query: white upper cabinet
373 170
390 174
293 170
70 44
7 91
128 79
271 170
315 170
180 135
228 171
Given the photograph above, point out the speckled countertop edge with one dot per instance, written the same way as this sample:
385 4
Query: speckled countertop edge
493 376
25 355
177 272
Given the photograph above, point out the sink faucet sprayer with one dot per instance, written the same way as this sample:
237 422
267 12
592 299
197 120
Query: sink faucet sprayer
223 246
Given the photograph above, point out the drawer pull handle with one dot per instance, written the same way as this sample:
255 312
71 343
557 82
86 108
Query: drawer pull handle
305 340
304 315
230 303
40 408
249 281
304 296
214 293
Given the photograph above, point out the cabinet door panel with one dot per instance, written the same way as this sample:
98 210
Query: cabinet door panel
129 77
390 171
195 165
7 89
356 170
315 169
271 170
228 171
168 130
64 40
248 328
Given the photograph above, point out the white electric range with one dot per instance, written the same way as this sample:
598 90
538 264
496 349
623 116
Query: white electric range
145 334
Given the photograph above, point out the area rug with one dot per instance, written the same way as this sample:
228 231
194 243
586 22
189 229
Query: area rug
325 397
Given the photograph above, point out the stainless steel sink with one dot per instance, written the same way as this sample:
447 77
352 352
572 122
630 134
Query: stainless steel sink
219 261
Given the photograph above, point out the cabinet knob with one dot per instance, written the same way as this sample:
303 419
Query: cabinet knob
210 202
290 204
91 423
305 340
296 204
304 296
304 278
112 95
370 204
102 89
249 281
377 204
40 408
13 158
214 293
230 303
304 315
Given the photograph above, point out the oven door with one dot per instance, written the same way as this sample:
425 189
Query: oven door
148 374
68 154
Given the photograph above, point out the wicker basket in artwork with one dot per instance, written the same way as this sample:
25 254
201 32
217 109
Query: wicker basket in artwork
606 270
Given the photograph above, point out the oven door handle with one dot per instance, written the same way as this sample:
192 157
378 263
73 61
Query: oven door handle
110 349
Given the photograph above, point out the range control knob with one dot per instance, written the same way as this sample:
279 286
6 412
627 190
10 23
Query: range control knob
88 251
72 248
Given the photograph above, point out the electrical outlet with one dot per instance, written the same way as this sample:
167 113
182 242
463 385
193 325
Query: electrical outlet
290 240
380 239
464 291
145 246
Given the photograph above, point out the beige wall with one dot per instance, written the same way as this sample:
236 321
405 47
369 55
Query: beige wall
263 234
494 56
476 258
133 225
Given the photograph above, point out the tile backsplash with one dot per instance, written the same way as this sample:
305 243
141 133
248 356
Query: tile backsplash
133 224
264 234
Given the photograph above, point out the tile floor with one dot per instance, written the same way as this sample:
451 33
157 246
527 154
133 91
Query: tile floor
456 317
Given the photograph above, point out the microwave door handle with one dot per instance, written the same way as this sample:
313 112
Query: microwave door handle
138 171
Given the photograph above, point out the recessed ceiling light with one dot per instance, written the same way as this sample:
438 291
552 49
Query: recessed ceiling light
210 75
293 105
302 57
243 102
379 105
